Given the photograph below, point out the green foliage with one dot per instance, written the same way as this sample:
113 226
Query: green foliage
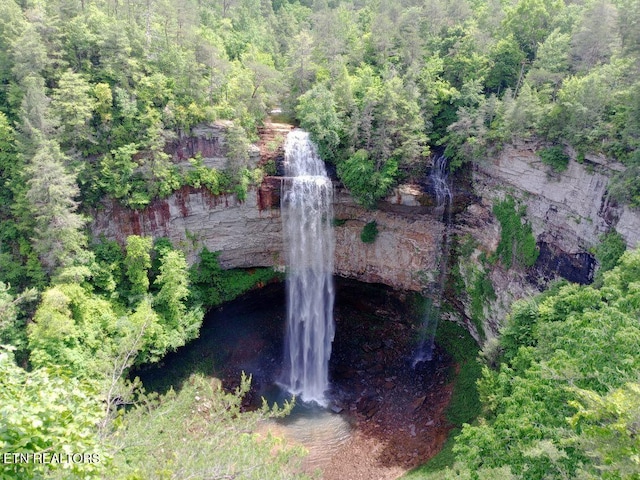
507 59
367 181
59 241
211 285
138 262
480 290
625 186
13 318
608 424
179 323
73 106
517 243
609 250
107 271
19 264
218 440
237 147
555 158
202 177
564 401
46 412
94 334
316 110
369 232
464 406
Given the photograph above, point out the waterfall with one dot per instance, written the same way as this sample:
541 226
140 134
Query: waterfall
439 178
307 216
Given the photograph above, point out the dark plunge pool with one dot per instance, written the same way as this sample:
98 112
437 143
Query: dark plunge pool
374 390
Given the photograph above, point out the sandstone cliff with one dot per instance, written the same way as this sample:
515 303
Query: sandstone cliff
568 213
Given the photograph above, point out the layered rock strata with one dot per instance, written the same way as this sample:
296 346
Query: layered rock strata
568 212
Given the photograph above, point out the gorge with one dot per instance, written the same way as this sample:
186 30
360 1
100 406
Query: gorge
419 248
568 213
450 292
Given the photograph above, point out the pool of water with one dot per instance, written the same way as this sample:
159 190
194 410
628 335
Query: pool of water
247 335
318 429
372 382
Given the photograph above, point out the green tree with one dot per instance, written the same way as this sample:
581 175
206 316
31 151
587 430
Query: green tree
506 65
137 263
221 442
364 180
180 323
608 426
522 114
48 413
29 54
73 106
563 402
596 38
59 240
317 112
13 318
531 21
551 64
517 243
36 122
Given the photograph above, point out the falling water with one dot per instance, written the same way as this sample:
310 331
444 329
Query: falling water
307 216
444 199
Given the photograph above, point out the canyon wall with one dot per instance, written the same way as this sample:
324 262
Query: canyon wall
568 212
249 233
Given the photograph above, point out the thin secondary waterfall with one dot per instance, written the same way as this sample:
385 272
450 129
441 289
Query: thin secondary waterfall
307 215
439 178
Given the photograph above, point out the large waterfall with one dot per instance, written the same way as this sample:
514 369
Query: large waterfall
444 201
307 216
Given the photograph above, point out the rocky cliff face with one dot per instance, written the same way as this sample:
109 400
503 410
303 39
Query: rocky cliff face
246 235
249 233
568 213
406 253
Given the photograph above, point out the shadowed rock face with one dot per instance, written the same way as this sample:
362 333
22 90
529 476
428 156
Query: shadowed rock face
553 263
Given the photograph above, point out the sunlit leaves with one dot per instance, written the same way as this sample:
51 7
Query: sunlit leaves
364 180
565 403
45 411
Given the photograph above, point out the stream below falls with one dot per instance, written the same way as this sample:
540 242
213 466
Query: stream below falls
384 416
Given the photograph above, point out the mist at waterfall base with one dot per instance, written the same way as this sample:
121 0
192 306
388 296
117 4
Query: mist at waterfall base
307 215
439 179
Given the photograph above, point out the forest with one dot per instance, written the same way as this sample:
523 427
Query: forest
92 93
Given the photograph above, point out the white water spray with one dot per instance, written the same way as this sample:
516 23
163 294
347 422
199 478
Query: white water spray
307 215
444 200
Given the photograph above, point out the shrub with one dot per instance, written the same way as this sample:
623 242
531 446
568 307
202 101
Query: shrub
517 243
369 232
609 250
555 158
364 180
